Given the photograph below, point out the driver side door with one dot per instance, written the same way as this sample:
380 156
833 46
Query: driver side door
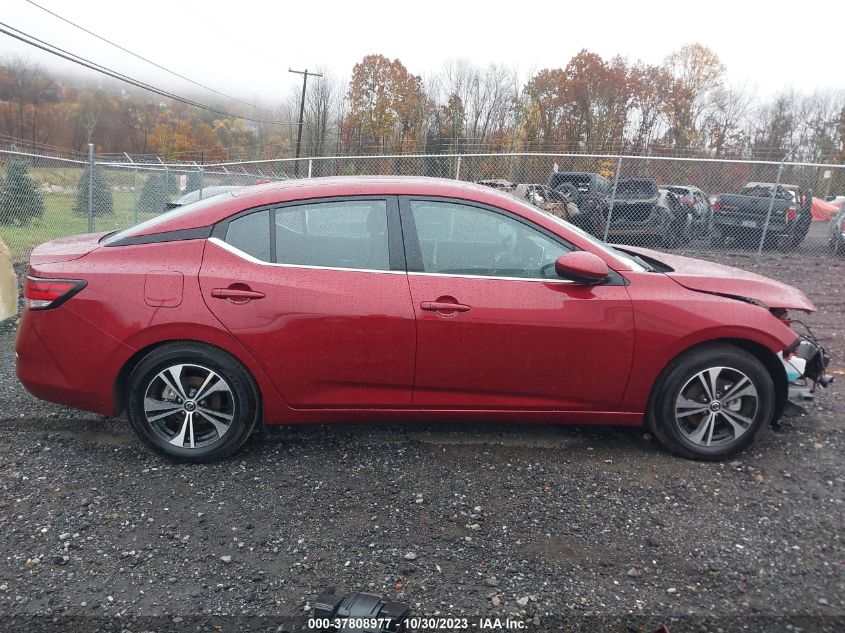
496 327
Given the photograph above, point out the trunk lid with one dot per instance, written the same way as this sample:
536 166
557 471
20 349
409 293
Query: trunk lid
704 276
65 249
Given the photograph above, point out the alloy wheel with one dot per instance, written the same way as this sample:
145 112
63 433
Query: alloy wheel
716 407
189 406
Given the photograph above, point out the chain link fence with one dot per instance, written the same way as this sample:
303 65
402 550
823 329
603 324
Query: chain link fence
702 207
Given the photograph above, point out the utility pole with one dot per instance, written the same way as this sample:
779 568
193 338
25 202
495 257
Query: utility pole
305 75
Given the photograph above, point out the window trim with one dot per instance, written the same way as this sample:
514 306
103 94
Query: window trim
234 250
395 247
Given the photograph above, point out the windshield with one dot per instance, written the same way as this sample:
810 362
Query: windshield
147 225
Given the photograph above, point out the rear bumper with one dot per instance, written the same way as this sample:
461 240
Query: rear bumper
68 360
748 223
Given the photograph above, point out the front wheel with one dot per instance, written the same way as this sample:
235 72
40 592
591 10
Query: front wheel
192 402
712 403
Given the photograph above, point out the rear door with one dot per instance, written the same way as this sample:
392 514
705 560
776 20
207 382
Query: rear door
317 292
496 327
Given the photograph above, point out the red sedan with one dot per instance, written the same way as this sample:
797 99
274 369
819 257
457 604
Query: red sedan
375 298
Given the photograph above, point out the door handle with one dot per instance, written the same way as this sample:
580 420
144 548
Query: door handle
443 306
236 295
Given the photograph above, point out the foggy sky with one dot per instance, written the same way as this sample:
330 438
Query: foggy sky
245 48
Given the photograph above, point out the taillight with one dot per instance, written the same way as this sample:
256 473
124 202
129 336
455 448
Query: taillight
717 205
42 294
791 214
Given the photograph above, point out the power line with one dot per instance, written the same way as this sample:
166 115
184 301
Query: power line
82 61
142 58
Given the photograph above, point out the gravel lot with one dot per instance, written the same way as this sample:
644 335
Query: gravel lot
586 528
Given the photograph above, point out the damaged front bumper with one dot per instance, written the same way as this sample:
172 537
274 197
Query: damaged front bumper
806 363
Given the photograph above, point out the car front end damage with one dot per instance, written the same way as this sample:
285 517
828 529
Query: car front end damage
805 363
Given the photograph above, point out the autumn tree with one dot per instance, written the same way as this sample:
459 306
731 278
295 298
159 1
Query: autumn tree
723 129
649 86
695 75
487 97
386 105
584 106
774 132
26 85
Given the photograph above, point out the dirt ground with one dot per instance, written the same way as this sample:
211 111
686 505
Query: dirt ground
560 528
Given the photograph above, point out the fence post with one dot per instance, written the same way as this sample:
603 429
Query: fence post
771 207
90 187
612 197
134 190
202 179
458 168
310 166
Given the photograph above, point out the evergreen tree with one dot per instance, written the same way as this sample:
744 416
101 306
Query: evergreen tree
20 200
156 192
102 200
194 181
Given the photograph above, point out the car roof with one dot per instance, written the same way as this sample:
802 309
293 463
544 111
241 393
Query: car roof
192 220
214 209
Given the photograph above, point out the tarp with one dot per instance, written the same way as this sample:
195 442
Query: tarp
823 211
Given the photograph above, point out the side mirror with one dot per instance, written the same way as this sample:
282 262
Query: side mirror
582 267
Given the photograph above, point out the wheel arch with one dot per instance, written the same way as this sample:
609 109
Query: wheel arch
121 382
762 353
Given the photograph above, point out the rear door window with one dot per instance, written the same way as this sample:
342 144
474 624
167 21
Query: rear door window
337 234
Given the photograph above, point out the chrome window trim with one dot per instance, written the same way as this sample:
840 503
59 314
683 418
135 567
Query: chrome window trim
254 260
466 276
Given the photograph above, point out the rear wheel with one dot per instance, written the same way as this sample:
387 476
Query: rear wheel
192 402
712 403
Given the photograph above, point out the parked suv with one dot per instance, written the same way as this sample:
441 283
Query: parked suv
641 210
589 192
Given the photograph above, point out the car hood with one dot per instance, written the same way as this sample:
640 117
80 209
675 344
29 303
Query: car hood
704 276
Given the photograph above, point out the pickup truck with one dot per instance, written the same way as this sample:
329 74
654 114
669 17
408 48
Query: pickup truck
741 218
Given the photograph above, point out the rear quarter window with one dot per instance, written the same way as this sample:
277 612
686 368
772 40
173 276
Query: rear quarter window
251 234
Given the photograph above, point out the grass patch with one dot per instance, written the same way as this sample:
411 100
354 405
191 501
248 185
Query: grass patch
60 221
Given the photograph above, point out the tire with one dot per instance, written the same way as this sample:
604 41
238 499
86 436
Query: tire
163 411
740 420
